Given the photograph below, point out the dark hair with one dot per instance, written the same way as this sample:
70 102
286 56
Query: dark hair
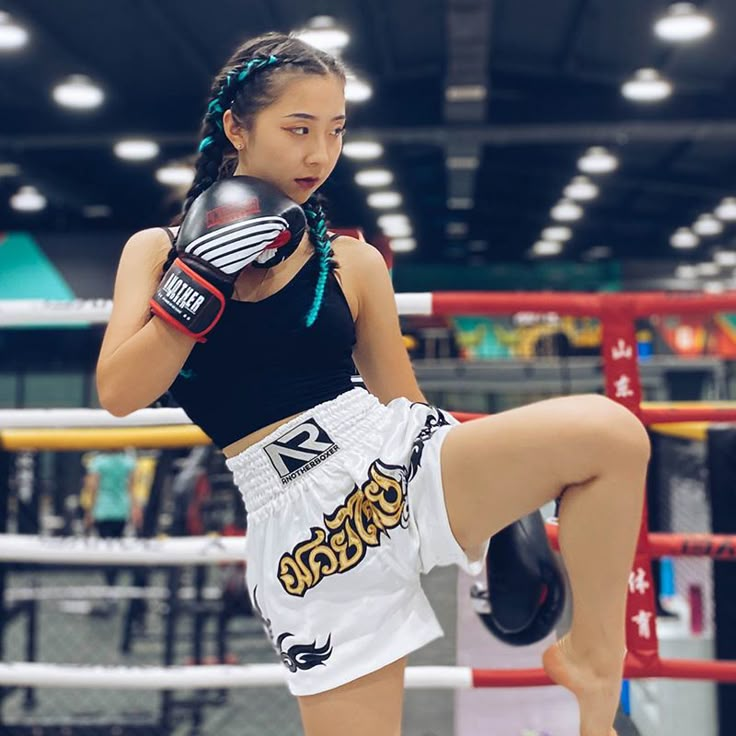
248 83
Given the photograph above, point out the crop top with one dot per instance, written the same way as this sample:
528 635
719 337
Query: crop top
262 363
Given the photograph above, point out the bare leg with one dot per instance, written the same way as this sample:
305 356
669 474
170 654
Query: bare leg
499 468
368 706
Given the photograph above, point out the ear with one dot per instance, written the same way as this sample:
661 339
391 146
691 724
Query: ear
233 132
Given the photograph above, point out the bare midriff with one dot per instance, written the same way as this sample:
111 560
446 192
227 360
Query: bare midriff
244 443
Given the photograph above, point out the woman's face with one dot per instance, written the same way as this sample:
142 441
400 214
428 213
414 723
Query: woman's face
295 142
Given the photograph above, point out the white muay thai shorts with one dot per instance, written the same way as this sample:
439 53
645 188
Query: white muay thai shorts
345 510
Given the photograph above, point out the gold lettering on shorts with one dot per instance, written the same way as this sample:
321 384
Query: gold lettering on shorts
369 511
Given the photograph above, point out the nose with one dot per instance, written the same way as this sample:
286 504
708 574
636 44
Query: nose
317 155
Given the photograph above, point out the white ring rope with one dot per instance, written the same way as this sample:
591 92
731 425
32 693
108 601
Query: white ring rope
67 418
123 551
27 312
106 593
41 674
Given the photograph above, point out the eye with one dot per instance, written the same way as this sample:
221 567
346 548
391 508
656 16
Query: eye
339 132
301 128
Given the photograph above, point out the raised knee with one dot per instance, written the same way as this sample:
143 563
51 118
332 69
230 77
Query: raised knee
619 432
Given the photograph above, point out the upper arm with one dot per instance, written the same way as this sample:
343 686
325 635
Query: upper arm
139 273
380 354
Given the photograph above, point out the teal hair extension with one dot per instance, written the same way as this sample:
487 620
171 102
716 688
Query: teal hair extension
318 235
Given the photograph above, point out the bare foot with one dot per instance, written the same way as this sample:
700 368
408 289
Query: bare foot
597 694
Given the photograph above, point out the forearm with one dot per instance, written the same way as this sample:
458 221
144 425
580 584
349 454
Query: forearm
142 368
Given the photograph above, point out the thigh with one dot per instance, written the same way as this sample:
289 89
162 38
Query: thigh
499 468
369 706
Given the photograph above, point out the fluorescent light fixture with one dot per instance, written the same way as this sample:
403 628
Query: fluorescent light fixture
357 90
465 93
726 210
136 150
581 188
547 248
726 258
708 269
374 178
9 169
384 200
684 238
78 92
362 150
557 232
395 226
707 225
686 271
460 203
462 163
683 22
28 199
456 229
647 85
714 287
175 175
566 211
597 160
96 210
12 36
402 245
323 33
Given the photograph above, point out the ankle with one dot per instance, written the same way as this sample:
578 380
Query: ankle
600 659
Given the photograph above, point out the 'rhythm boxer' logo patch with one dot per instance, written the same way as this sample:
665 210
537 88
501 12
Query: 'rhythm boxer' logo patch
299 450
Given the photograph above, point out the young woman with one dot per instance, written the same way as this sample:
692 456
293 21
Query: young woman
351 494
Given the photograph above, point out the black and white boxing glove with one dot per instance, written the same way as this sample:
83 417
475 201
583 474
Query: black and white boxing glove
235 222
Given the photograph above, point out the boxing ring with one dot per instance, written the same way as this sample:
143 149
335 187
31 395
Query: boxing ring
85 429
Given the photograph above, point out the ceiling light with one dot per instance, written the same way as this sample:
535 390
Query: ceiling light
708 269
136 150
683 22
547 248
714 287
96 210
323 33
462 163
558 232
566 211
395 226
465 93
726 210
707 225
374 178
12 36
725 258
597 160
647 85
402 245
78 92
8 169
175 175
683 237
28 199
362 150
384 200
460 203
598 252
456 229
581 188
686 272
356 90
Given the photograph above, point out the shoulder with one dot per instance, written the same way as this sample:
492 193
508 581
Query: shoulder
147 248
361 265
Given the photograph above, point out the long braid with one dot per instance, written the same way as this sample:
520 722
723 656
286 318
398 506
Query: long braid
321 242
209 166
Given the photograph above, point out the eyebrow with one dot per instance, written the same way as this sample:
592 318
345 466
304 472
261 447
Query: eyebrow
307 116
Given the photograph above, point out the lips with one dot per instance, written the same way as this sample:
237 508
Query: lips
307 181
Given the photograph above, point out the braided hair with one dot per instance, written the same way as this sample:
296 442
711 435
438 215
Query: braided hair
247 84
